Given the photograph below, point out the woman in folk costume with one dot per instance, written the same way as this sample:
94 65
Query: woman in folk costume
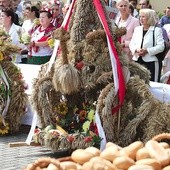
125 19
57 14
39 49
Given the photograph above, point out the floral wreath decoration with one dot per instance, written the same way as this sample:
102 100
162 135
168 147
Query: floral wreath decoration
72 130
13 98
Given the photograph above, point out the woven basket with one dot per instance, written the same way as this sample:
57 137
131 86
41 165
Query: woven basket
44 163
162 136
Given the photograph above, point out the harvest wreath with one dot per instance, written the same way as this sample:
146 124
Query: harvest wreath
13 98
83 73
75 128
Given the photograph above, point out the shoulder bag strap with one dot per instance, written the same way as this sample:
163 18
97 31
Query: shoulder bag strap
154 37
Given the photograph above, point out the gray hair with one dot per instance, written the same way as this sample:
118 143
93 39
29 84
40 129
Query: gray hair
151 16
118 1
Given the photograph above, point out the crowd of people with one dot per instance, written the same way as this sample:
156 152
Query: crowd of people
30 27
38 20
146 35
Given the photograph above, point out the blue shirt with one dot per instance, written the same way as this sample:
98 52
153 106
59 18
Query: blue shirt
164 20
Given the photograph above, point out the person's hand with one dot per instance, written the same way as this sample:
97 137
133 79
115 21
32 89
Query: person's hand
142 52
32 44
24 52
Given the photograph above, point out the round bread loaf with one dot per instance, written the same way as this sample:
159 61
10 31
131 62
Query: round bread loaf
157 151
80 156
151 162
123 162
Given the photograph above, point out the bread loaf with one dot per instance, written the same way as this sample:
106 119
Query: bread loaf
151 162
80 156
93 150
158 152
109 153
52 167
166 168
68 165
164 144
132 149
142 154
123 162
141 167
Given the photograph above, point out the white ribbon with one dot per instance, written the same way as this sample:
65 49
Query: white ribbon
100 131
31 132
8 98
114 67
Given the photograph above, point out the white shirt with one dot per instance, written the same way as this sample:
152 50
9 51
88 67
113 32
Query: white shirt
42 51
27 25
13 32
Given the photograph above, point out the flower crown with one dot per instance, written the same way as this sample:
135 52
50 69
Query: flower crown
57 2
47 9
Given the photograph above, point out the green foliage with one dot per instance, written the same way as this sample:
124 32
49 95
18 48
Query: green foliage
160 14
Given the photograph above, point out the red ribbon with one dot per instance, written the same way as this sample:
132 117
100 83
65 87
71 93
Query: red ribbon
121 82
68 19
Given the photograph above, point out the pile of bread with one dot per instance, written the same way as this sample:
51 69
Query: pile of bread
137 156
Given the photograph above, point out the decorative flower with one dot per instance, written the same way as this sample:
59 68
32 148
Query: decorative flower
51 42
1 56
90 115
88 139
36 22
70 138
61 109
86 126
37 131
82 115
4 129
54 133
74 120
25 38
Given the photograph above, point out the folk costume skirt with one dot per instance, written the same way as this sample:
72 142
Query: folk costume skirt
38 60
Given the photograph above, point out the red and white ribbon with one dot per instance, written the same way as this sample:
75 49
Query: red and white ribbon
116 66
65 24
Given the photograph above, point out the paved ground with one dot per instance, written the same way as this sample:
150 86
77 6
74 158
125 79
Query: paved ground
16 158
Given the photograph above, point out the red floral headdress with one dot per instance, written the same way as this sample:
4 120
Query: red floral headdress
56 2
47 9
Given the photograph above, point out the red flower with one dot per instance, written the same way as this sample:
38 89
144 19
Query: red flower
79 65
70 138
88 139
82 115
93 128
20 76
55 134
36 131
